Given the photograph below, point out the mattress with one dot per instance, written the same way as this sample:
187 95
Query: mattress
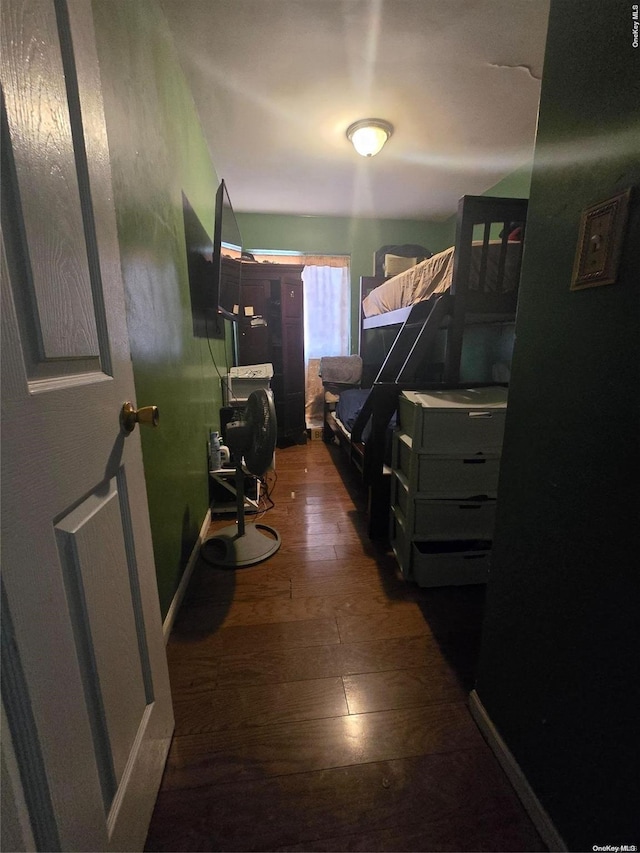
347 410
434 275
349 405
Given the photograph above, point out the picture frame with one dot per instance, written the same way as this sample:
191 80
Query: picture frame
602 230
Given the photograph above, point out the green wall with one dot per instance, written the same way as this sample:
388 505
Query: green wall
558 669
515 185
327 235
158 152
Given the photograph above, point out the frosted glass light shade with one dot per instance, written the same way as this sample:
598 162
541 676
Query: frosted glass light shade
369 135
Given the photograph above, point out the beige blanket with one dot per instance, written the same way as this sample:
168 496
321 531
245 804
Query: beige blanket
434 275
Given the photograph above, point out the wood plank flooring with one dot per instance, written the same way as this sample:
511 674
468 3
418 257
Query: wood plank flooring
321 701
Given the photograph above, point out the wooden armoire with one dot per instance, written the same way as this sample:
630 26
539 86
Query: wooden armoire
274 293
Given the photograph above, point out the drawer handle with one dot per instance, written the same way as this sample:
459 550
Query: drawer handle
473 461
480 414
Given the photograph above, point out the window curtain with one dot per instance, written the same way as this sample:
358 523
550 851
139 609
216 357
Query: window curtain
326 310
327 293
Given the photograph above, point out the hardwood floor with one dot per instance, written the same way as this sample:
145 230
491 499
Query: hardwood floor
321 701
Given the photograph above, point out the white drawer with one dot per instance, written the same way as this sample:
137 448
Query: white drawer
468 432
443 518
453 519
440 564
458 476
446 422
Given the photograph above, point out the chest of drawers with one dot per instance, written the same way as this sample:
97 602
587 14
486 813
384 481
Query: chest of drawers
445 467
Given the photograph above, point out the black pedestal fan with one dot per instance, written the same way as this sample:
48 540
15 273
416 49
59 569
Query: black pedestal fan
252 438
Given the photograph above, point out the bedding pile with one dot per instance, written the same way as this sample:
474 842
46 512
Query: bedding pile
434 275
344 369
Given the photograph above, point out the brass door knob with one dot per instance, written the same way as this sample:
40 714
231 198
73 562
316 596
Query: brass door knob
130 416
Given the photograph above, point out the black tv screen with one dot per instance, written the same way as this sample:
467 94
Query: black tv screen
213 286
227 242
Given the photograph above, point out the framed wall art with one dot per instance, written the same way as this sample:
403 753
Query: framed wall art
602 230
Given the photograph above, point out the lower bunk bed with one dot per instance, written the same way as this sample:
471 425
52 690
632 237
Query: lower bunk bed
433 339
349 423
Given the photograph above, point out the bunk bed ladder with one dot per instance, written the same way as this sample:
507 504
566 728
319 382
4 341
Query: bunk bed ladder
425 339
414 340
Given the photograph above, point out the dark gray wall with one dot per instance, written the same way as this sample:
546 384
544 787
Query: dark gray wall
558 669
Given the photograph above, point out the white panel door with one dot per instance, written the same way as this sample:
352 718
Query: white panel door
85 687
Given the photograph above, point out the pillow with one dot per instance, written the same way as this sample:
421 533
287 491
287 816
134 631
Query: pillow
394 264
515 232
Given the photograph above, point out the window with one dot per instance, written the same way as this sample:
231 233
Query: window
326 311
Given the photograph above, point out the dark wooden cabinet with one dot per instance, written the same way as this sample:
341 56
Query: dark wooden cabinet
274 292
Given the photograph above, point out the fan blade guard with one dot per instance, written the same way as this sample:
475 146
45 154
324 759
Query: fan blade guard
260 416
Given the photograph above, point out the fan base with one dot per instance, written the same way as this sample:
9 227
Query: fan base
226 548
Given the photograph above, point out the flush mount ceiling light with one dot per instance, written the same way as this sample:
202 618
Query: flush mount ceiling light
369 135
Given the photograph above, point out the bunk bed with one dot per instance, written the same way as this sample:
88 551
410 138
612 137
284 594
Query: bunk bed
419 344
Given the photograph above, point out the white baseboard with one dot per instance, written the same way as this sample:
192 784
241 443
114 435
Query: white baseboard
523 789
169 619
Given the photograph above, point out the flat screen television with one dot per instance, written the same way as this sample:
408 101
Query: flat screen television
227 242
214 294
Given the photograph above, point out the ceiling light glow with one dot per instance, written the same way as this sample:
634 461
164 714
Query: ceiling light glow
369 135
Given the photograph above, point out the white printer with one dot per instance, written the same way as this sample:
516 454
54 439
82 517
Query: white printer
241 381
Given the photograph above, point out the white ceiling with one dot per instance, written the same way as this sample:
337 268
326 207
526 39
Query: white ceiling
277 82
